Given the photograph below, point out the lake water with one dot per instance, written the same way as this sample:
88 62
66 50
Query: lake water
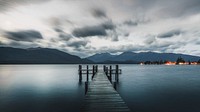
55 88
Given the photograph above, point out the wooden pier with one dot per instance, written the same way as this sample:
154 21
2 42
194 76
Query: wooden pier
101 96
108 71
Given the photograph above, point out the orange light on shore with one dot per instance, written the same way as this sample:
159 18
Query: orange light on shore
194 63
181 63
170 63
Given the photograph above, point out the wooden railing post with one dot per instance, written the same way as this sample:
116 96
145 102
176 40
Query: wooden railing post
80 73
117 73
106 70
97 68
110 73
87 73
93 71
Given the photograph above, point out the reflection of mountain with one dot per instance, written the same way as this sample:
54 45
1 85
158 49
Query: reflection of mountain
37 55
140 57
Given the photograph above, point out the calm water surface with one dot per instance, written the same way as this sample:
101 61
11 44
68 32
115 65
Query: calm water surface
161 88
55 88
40 88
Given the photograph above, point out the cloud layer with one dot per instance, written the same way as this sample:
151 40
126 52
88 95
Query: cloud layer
85 27
27 35
97 30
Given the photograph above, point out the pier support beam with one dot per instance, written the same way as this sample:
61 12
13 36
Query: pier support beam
93 71
117 73
87 73
106 71
80 73
96 68
110 74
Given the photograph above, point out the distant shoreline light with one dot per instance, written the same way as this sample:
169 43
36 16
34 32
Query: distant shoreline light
173 63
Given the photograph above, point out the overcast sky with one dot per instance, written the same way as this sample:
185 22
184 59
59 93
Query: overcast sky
86 27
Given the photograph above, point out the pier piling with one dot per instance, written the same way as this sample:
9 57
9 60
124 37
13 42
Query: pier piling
93 71
80 73
108 70
110 73
87 73
117 73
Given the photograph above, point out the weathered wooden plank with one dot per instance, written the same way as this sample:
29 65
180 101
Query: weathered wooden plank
102 97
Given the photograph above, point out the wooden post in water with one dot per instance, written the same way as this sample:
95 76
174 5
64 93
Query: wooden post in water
104 69
97 68
80 73
87 74
106 72
110 73
93 71
117 73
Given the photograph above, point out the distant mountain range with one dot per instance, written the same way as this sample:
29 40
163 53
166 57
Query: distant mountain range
10 55
131 57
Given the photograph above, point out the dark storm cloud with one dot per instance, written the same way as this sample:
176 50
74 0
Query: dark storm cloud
99 13
20 44
98 30
89 31
11 4
130 23
26 35
62 35
77 44
136 21
170 34
150 40
65 36
108 25
59 30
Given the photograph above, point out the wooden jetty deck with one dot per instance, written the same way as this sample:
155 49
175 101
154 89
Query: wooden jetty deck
102 97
